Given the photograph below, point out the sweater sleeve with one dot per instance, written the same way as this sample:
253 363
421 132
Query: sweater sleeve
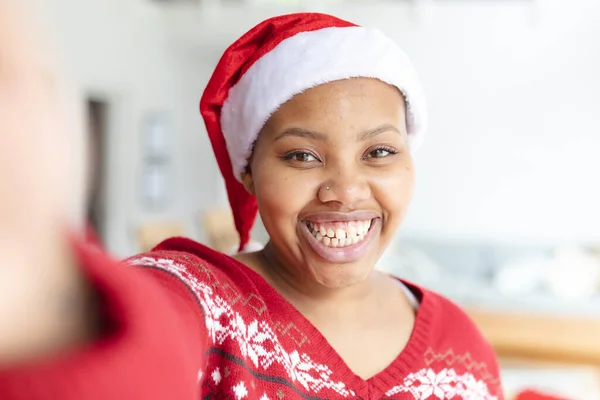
153 347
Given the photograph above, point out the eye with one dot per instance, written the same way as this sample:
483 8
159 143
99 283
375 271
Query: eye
300 156
381 152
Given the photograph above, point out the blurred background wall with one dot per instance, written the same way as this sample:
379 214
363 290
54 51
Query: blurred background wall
512 86
120 54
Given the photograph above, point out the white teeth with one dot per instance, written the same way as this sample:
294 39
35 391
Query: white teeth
351 231
361 228
355 232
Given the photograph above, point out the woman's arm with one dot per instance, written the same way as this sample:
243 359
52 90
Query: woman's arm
74 323
146 338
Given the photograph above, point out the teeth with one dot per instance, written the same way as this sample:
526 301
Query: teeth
351 231
338 237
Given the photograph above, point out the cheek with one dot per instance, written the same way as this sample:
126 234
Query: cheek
394 191
281 195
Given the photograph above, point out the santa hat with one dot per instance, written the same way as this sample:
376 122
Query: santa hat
279 58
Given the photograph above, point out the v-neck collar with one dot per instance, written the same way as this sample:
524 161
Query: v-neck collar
381 382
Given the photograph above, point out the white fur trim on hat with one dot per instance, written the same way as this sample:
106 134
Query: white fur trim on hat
309 59
250 247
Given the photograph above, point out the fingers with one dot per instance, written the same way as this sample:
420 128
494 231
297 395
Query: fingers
41 121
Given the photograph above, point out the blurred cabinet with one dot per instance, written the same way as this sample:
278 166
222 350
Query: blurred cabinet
559 354
152 233
219 225
560 339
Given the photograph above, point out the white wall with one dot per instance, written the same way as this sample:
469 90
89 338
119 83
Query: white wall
513 91
119 50
514 137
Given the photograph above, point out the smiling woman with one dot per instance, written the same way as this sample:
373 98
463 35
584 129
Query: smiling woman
313 121
333 176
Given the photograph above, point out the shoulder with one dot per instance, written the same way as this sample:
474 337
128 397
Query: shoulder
448 322
454 342
179 254
203 270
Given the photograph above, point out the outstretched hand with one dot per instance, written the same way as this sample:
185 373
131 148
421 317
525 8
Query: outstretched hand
38 168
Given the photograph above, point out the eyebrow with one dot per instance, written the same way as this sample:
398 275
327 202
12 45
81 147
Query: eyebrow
305 133
377 131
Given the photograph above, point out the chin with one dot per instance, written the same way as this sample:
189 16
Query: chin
341 255
339 276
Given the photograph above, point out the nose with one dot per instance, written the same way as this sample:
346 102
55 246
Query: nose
344 185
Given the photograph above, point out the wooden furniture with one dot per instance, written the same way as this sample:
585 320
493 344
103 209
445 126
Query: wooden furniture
220 229
560 339
558 351
152 233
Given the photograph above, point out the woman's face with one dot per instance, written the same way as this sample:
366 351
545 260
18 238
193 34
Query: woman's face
333 177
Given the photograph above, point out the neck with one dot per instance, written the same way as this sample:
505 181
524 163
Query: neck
302 291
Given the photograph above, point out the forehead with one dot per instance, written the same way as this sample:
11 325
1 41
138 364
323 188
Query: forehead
359 102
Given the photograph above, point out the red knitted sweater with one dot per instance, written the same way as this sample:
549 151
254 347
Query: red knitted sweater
191 323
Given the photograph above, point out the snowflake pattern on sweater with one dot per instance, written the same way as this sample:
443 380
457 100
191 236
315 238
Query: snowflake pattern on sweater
256 340
256 356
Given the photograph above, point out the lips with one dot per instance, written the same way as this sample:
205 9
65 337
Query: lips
340 238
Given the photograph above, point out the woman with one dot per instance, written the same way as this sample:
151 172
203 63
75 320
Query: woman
313 121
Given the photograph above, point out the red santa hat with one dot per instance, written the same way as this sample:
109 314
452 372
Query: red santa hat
279 58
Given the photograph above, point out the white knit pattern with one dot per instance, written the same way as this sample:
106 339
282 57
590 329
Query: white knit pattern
258 343
445 384
256 339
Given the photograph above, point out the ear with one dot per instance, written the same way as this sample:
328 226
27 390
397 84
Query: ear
248 182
